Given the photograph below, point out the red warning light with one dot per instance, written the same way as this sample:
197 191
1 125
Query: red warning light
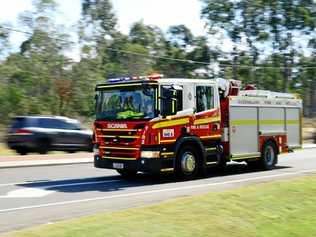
155 76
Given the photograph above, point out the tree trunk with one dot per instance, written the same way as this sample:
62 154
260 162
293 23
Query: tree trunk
312 96
235 60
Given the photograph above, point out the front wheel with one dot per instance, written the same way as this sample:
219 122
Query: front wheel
187 164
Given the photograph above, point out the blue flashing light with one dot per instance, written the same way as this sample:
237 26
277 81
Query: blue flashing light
130 78
120 79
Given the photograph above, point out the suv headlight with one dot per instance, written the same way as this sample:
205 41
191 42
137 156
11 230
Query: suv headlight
150 154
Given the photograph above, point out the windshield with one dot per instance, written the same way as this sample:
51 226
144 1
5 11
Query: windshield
125 104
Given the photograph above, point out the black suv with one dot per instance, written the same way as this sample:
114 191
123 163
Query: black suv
50 133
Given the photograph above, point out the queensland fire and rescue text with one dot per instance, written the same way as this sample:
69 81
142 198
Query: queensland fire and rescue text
154 124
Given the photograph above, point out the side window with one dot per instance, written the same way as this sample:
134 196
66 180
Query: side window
168 103
72 126
51 123
179 100
204 98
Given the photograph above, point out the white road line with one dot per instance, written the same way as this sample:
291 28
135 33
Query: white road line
57 185
13 184
155 191
42 191
30 183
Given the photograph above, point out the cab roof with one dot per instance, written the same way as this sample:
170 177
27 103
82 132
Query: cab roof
173 81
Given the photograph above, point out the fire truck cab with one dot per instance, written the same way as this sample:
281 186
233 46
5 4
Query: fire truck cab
152 124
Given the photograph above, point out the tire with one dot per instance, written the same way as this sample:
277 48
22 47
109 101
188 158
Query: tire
90 146
269 156
22 151
127 174
43 146
187 163
71 152
268 159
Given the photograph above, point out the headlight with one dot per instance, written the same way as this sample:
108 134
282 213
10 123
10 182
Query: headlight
150 154
96 150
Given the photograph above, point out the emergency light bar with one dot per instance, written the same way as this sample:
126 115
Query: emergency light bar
130 78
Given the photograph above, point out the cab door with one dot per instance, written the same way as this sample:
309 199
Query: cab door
207 112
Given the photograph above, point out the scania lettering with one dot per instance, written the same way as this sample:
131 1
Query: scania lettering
110 125
154 124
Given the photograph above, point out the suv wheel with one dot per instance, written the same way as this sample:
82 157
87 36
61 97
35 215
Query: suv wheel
22 151
43 146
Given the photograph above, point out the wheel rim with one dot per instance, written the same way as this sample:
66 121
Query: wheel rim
188 162
269 155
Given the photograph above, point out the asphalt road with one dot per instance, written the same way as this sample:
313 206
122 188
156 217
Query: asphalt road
31 196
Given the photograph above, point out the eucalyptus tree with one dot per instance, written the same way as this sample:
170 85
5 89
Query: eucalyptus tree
225 16
43 59
4 43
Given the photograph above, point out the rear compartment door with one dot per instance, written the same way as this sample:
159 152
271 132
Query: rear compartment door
243 130
293 127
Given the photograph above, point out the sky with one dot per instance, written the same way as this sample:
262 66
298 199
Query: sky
162 13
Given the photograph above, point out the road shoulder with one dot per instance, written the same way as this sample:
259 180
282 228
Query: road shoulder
279 208
45 160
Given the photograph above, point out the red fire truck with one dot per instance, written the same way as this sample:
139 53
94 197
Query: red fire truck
154 124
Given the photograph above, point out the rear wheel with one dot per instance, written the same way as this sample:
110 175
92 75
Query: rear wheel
71 151
127 174
90 145
269 157
187 164
22 151
43 146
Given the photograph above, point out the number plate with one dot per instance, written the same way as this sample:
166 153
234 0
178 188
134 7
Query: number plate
118 166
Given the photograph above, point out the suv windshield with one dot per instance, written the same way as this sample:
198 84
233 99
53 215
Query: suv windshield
125 104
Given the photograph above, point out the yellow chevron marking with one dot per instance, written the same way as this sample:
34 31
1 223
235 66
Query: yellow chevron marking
262 122
210 137
117 158
119 148
171 123
207 120
168 141
244 157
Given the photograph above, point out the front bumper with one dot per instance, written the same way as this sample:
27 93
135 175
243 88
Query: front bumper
141 165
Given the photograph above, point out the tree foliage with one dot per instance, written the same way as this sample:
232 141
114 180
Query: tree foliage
268 39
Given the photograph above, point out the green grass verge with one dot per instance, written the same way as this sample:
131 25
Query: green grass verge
283 208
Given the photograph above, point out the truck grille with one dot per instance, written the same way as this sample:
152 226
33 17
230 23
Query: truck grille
119 153
113 136
119 144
